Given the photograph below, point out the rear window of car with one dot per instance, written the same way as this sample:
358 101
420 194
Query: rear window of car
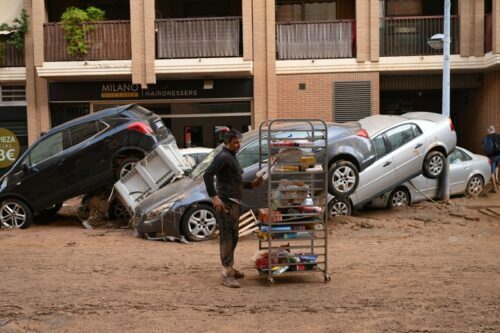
82 132
400 135
380 147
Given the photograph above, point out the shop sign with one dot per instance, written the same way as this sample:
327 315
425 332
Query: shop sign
164 89
9 148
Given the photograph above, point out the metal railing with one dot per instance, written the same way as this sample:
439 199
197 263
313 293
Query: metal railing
408 36
316 40
12 57
110 40
208 37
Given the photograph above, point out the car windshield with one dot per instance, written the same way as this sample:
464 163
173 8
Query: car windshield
200 169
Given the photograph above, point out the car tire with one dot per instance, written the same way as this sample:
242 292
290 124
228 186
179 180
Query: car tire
117 211
475 186
14 213
199 223
125 165
343 179
339 207
434 164
400 197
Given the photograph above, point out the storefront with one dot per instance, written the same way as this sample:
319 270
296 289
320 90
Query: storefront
195 110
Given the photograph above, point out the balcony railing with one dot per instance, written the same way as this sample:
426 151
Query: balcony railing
488 33
198 37
110 40
13 57
408 36
316 40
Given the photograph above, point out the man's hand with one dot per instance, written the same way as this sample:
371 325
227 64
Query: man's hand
257 182
218 204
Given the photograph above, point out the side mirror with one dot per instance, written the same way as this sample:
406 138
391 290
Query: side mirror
24 168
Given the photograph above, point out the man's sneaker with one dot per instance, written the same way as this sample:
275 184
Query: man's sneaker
230 281
493 190
238 274
87 225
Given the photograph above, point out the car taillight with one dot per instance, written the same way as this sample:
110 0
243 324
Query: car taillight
362 132
140 127
451 125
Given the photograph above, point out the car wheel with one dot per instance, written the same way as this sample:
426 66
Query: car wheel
15 213
343 179
400 197
117 211
434 164
199 223
125 166
339 207
475 186
53 209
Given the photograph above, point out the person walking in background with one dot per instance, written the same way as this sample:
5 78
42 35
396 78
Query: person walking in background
226 199
491 148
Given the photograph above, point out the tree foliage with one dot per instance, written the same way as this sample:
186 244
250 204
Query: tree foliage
76 24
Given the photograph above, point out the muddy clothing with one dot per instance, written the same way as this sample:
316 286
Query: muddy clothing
228 171
228 231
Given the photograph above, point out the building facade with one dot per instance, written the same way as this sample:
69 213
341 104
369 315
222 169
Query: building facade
207 64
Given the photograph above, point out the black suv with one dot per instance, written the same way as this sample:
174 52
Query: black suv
77 157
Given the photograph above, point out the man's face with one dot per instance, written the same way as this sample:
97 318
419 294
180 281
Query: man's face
234 145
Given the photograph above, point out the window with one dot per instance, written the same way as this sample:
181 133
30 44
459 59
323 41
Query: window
416 130
82 132
380 147
400 135
249 155
47 148
457 156
12 94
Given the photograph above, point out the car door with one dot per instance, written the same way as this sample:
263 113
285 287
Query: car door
407 146
43 181
380 176
87 160
460 170
248 157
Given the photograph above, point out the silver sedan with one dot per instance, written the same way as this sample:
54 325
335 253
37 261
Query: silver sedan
469 174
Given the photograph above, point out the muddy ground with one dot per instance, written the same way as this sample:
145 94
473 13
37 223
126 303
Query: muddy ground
426 268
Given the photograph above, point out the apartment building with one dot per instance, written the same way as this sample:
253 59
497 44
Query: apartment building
206 64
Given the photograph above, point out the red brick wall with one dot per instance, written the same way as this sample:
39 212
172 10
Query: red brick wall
316 100
482 109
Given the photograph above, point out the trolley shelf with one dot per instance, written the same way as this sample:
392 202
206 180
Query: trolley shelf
297 189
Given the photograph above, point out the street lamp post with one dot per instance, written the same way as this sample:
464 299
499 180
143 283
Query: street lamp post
443 41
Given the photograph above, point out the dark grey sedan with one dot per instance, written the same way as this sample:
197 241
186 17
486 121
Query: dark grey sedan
184 207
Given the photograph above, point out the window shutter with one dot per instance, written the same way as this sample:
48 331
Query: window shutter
352 100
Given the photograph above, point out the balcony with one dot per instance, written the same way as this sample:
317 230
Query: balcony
316 40
211 37
13 57
408 36
110 40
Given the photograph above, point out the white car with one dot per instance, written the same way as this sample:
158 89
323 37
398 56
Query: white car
469 173
197 154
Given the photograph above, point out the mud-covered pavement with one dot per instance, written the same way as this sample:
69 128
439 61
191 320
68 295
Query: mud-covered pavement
427 268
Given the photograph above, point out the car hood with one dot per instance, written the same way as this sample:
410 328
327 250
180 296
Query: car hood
182 189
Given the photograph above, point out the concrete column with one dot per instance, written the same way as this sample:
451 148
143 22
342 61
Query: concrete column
362 30
143 39
37 101
264 56
247 23
496 26
374 30
471 14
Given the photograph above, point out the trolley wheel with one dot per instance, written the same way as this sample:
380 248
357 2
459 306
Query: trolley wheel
327 278
270 282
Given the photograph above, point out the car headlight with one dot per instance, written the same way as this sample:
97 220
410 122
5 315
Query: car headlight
158 211
3 183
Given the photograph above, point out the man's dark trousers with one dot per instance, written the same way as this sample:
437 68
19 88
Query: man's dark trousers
228 231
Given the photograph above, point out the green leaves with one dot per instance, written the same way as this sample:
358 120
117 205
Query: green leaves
18 29
76 23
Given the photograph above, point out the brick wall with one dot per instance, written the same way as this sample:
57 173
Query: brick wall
481 110
316 100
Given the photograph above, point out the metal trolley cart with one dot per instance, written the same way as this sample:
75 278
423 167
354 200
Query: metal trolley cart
293 235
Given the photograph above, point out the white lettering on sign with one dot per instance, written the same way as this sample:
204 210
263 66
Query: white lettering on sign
8 155
9 148
7 139
122 87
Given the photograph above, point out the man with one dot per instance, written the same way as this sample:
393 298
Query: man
226 200
491 147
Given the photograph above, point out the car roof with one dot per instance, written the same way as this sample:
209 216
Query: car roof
95 115
196 150
376 123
